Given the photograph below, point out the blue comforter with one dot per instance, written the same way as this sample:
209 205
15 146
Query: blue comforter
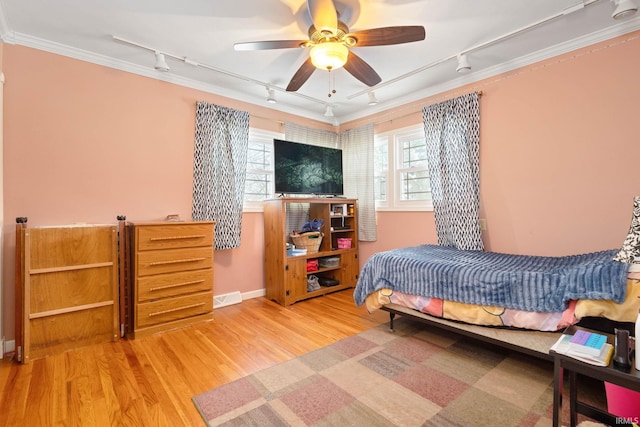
531 283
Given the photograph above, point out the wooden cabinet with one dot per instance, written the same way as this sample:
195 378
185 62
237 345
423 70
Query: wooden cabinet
286 275
67 279
171 274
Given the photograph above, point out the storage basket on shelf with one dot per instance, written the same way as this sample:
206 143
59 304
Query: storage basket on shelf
309 241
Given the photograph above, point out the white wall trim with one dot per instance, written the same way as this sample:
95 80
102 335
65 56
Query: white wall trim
8 347
12 37
254 294
235 297
226 299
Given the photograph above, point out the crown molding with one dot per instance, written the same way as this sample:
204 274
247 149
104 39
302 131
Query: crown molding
9 36
621 29
6 34
94 58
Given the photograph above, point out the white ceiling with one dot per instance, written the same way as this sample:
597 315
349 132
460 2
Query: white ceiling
499 35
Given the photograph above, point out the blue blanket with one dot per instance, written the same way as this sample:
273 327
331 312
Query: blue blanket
531 283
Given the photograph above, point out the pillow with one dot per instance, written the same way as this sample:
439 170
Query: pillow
630 252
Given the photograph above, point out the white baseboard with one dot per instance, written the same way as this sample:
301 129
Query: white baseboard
235 298
226 299
7 347
254 294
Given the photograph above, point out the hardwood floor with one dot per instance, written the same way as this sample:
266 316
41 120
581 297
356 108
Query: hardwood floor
150 381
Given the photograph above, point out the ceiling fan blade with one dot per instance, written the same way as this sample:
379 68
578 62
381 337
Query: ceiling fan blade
362 71
323 15
389 35
301 76
270 44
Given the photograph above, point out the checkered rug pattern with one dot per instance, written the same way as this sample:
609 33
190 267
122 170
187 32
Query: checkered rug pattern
414 376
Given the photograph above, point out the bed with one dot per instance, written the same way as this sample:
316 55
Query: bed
521 302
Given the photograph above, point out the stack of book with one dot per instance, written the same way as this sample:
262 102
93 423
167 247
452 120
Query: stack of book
296 252
589 347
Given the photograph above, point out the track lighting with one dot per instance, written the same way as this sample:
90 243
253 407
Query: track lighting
271 96
624 9
161 64
329 112
463 64
372 98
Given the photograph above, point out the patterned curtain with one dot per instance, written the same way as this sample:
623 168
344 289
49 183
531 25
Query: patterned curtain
357 149
452 130
219 169
630 251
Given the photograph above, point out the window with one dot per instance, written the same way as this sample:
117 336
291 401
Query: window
381 168
401 173
259 179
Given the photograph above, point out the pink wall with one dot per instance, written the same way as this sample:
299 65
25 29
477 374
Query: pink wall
85 143
559 145
559 151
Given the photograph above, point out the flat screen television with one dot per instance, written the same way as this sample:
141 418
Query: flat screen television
307 169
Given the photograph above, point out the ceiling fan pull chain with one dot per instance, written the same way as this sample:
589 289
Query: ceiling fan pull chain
332 84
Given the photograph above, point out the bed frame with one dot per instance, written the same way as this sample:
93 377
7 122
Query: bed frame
533 343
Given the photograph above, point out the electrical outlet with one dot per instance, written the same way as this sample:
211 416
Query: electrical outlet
483 224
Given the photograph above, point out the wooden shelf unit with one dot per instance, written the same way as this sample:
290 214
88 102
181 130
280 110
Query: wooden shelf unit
68 288
286 276
171 275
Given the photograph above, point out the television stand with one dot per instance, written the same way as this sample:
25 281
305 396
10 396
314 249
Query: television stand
334 257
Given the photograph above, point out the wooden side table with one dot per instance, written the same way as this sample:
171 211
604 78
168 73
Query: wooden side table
630 380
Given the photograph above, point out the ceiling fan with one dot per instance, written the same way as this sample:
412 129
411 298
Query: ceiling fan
329 43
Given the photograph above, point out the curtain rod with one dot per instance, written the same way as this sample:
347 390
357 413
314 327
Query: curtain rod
478 92
267 118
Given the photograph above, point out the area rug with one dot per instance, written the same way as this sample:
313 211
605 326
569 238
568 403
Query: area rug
411 377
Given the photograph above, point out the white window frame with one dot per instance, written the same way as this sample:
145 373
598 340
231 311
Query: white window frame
264 137
383 140
394 139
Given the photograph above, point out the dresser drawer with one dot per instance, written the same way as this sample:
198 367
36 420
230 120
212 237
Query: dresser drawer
174 284
170 309
167 236
173 260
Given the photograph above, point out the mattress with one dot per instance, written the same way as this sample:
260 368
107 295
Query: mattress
529 283
512 318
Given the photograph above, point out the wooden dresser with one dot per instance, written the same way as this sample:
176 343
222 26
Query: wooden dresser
171 273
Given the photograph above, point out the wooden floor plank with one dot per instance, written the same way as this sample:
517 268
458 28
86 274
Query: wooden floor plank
151 380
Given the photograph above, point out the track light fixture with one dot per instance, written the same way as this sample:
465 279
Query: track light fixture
372 98
463 64
624 9
161 63
329 111
271 96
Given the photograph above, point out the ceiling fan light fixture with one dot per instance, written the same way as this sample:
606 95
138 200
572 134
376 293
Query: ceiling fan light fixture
329 55
161 63
624 9
372 99
463 64
271 96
